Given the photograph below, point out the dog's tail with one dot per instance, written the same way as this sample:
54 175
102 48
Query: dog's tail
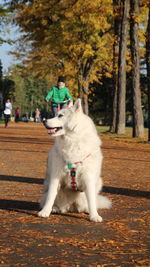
103 202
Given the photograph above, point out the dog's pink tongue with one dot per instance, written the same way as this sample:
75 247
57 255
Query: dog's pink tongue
51 131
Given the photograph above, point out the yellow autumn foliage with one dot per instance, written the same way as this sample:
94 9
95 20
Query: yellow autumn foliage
74 38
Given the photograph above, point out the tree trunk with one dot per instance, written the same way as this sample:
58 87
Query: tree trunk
80 92
148 70
138 127
83 82
117 23
85 104
120 129
84 97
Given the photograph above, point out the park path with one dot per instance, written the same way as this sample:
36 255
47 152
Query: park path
122 239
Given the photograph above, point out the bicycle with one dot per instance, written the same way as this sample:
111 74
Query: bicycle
59 103
59 106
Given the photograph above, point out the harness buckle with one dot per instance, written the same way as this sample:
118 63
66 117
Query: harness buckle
73 182
73 172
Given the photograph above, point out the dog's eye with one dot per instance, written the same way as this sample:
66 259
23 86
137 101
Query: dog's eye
60 115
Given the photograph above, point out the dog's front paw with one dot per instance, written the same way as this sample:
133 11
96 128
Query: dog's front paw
44 213
96 218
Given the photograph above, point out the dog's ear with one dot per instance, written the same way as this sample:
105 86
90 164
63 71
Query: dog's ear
77 105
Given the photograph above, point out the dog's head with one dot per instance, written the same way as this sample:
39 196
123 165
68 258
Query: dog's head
65 121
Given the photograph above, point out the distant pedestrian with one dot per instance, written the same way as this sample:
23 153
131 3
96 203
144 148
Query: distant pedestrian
17 114
37 115
7 112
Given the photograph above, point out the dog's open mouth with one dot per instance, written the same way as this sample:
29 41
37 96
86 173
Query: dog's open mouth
53 130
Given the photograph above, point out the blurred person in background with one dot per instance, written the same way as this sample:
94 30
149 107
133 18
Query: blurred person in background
17 115
7 112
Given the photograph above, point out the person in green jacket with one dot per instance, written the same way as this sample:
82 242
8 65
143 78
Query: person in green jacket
58 94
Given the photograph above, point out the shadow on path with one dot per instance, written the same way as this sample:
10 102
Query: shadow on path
21 179
126 192
9 204
107 189
26 206
34 206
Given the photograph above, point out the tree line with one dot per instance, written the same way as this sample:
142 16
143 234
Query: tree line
90 42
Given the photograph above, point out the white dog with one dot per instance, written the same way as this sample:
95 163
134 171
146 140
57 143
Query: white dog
73 180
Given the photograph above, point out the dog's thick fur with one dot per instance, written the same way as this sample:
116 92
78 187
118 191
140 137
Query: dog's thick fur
76 141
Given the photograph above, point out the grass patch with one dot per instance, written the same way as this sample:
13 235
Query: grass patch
102 129
127 135
105 129
144 142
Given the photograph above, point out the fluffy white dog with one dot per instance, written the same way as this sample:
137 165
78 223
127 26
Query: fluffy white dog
73 182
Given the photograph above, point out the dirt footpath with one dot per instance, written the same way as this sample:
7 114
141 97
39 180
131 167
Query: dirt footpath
122 239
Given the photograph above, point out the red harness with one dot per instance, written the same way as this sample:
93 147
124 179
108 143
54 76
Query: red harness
72 167
73 182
